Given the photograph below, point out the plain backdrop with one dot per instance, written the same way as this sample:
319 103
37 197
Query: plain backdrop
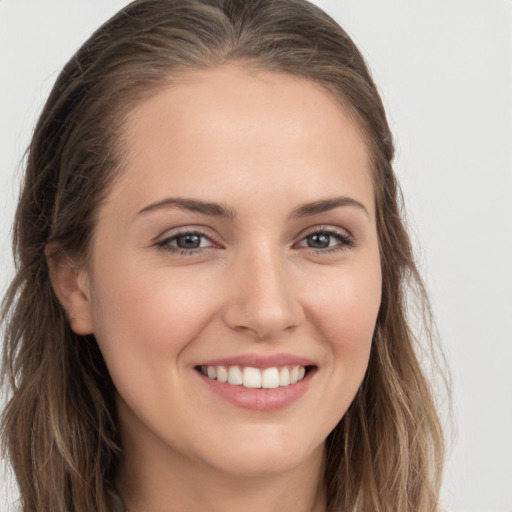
444 68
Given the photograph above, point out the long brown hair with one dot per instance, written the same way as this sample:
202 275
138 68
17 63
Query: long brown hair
59 428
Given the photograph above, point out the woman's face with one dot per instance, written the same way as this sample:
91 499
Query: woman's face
240 241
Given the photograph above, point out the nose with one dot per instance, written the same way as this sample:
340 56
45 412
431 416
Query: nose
263 300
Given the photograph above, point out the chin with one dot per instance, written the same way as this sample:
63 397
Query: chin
265 455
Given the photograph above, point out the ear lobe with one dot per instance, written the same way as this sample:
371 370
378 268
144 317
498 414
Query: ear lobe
71 286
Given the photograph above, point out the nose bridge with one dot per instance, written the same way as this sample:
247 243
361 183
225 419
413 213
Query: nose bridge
264 301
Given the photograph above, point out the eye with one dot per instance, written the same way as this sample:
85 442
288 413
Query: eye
189 241
185 243
327 240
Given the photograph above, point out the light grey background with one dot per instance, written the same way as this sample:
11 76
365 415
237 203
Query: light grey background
444 68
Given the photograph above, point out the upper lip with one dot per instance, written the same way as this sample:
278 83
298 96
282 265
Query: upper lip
260 361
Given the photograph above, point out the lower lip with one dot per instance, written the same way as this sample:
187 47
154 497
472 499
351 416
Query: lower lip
259 399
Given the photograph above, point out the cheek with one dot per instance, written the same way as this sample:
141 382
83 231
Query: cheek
144 323
342 309
346 308
146 318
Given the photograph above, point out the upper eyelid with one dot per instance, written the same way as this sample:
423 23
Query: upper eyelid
186 230
343 238
179 235
164 243
324 228
205 231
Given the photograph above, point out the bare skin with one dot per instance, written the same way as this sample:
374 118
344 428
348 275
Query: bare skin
243 225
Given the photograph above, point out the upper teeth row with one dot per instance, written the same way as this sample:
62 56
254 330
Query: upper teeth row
249 377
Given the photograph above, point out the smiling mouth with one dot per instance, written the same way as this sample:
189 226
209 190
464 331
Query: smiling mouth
254 378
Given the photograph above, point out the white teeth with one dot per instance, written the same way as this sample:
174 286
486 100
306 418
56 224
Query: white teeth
222 374
249 377
294 374
284 377
252 377
235 376
270 378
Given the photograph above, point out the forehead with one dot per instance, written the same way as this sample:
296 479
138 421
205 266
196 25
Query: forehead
255 131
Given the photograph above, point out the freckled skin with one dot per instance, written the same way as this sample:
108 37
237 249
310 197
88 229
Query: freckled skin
261 144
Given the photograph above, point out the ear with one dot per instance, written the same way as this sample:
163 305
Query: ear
71 285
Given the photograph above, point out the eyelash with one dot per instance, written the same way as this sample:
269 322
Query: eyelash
344 241
165 243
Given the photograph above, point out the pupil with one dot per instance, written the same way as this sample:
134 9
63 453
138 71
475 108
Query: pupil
319 241
189 241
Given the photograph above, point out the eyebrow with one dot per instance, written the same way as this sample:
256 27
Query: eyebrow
192 205
219 210
326 205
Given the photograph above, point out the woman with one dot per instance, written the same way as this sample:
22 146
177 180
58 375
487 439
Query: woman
210 302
